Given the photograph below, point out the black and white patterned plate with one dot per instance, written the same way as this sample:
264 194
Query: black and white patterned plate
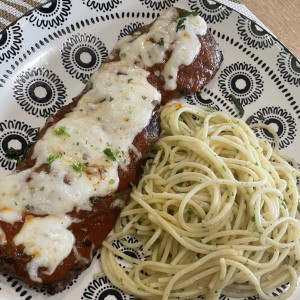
46 56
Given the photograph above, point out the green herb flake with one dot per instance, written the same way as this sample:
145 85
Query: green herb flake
78 167
180 24
182 18
27 207
123 55
111 181
51 158
84 81
161 42
130 80
237 104
120 153
110 98
249 121
253 253
210 110
109 154
283 203
224 168
253 218
42 188
93 199
61 131
144 97
190 210
84 156
184 14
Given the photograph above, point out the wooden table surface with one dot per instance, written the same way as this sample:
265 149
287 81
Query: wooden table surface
282 17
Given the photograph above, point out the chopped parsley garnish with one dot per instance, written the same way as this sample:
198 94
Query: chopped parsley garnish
253 218
110 98
93 199
283 203
123 55
27 207
109 154
111 181
190 210
161 42
180 24
61 131
129 80
119 153
210 110
144 97
237 104
42 188
184 13
84 81
78 167
51 158
182 18
250 120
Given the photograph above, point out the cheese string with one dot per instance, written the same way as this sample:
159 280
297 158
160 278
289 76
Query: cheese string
216 212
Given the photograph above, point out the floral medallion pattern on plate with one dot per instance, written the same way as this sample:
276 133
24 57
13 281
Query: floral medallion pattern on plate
129 29
102 5
10 42
242 81
40 92
52 14
82 55
289 68
253 35
14 135
158 4
80 34
210 11
281 121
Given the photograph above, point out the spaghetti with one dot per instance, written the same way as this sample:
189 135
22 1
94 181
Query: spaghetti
215 212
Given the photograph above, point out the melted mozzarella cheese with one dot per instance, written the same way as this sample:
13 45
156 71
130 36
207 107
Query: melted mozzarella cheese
80 154
47 240
183 42
109 116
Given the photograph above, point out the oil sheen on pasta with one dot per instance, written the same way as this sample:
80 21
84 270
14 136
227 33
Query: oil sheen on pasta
95 137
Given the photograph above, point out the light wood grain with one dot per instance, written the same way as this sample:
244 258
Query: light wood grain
282 17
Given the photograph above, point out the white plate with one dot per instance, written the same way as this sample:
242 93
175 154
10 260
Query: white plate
45 56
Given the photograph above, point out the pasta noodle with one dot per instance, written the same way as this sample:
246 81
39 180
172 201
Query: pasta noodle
216 212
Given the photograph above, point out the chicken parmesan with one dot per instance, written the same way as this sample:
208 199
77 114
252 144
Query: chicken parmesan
65 196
